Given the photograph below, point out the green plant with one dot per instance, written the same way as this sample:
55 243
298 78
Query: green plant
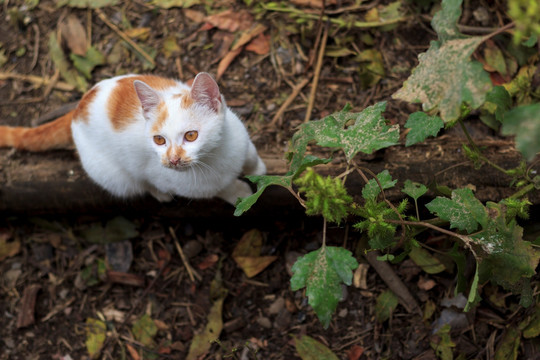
489 231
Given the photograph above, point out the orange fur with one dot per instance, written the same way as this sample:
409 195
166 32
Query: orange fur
163 114
123 101
175 153
186 99
53 135
81 112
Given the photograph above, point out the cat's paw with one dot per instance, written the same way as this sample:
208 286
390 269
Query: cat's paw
160 196
234 191
258 169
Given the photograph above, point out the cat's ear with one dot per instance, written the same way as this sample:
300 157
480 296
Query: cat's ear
148 97
205 91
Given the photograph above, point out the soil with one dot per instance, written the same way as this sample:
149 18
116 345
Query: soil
62 266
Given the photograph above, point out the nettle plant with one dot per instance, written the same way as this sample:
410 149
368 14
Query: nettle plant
489 231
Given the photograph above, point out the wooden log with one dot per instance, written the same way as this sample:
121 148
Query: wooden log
55 183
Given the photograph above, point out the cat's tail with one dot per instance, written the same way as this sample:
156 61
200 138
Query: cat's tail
53 135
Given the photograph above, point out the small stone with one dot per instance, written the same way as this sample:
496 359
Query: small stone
276 306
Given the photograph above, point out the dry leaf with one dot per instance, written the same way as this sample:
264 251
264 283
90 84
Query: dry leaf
247 252
231 20
355 352
194 15
223 41
226 61
8 249
426 283
141 33
74 34
132 352
208 261
260 45
249 35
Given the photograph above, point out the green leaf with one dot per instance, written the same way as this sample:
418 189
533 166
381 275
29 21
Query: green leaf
509 345
310 349
524 123
353 132
385 305
532 328
414 189
463 211
421 126
445 85
263 181
445 21
371 190
87 4
443 344
96 331
322 272
69 74
503 256
474 293
442 84
144 330
426 261
371 67
85 64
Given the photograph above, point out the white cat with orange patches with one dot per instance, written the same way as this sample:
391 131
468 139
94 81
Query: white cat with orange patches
141 133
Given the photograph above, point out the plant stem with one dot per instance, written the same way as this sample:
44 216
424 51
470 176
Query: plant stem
464 238
324 233
338 21
522 191
478 152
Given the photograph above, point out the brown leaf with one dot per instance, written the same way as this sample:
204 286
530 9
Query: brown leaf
247 36
194 15
426 283
208 261
125 278
223 41
260 45
8 249
74 34
132 352
231 20
355 352
247 252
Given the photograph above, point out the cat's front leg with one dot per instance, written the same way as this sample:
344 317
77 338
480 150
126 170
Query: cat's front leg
235 190
160 196
253 164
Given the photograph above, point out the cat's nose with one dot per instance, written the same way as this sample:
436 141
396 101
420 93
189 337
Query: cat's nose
174 161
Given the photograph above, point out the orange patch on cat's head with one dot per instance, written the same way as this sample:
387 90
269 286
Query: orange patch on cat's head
81 111
185 99
162 115
124 104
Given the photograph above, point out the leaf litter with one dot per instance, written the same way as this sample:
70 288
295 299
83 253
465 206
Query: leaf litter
148 247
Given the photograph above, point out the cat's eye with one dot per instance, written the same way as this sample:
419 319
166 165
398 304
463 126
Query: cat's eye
191 135
159 140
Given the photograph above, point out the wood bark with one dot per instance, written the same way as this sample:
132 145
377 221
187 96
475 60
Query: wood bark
55 183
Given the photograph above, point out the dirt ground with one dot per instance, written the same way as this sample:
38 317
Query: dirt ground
63 266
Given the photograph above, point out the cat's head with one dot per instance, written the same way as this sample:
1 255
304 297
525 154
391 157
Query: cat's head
183 126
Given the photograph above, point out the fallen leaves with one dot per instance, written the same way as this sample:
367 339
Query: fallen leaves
8 249
237 31
247 254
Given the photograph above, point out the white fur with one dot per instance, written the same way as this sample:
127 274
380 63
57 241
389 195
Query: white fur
128 162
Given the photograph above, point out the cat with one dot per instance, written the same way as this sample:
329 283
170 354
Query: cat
139 134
